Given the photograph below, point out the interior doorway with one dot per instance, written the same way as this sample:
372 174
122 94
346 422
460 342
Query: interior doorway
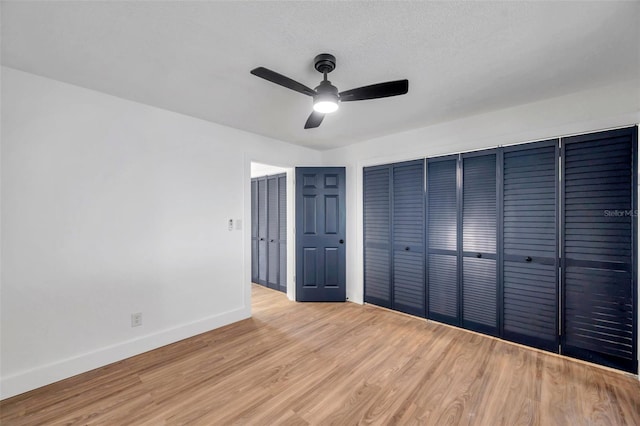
271 227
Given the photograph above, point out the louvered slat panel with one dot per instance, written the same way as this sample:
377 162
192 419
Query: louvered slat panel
599 317
530 294
479 294
377 236
599 311
408 204
377 277
272 208
282 270
442 205
254 230
408 282
479 221
376 205
479 204
530 303
282 207
443 290
273 232
254 208
408 238
262 231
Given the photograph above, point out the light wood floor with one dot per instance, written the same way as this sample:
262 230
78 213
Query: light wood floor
295 363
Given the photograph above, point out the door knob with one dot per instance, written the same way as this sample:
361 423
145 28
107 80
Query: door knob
271 241
261 239
341 241
528 259
479 255
407 248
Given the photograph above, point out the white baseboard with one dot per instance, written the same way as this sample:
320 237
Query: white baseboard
46 374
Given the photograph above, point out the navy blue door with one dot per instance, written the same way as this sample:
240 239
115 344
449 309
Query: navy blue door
273 233
599 221
282 232
530 232
320 234
254 230
377 235
479 242
408 238
262 231
442 236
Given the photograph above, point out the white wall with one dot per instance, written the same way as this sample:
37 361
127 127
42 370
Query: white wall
111 207
592 110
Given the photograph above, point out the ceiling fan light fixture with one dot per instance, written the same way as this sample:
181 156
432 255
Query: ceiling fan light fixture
325 104
326 97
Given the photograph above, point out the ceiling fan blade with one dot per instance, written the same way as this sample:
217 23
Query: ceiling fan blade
314 120
375 91
281 80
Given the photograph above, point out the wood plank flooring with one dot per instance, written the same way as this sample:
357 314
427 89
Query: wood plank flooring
330 363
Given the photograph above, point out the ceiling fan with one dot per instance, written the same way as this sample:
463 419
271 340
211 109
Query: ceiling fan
326 96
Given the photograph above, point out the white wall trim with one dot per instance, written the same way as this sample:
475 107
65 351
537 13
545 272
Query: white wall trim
51 373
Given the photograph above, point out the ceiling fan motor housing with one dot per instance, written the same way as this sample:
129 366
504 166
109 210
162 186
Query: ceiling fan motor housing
325 63
326 88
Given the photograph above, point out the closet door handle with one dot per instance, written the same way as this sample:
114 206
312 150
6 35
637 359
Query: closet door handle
341 241
271 241
407 248
528 259
261 239
479 255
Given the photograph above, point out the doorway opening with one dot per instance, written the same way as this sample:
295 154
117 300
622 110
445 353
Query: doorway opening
271 227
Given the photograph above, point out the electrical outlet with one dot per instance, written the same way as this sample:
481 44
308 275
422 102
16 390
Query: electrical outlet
136 319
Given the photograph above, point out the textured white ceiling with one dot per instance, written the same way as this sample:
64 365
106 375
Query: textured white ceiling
461 58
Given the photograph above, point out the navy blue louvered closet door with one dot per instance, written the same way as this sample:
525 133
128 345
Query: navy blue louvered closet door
377 235
273 233
479 242
282 232
254 230
269 231
442 239
262 231
530 232
408 238
599 221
